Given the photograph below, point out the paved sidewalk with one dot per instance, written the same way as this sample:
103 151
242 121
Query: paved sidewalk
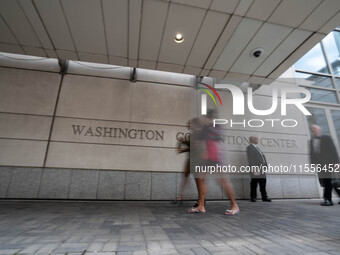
124 228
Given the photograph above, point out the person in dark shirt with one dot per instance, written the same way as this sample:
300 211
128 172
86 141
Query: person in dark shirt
256 160
323 154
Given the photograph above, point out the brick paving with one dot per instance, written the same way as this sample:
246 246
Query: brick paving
145 228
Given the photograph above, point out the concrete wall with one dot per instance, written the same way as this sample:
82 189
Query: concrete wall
61 138
54 183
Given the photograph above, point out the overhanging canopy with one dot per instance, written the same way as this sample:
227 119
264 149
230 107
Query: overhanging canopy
219 35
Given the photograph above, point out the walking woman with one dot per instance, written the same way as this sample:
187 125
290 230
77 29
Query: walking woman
212 156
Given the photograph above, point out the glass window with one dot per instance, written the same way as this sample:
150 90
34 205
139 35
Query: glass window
324 96
313 80
318 117
337 81
332 47
336 121
313 61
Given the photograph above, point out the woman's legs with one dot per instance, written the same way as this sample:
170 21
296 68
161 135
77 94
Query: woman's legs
201 189
228 188
184 181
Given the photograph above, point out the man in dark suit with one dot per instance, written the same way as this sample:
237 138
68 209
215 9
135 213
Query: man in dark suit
323 153
256 160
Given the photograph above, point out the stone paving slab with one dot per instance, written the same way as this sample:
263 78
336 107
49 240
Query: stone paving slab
145 228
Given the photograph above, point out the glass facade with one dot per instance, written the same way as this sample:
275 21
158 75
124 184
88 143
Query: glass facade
313 61
324 96
332 48
318 117
319 72
336 121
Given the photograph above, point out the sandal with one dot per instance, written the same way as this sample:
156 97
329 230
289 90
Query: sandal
194 210
231 212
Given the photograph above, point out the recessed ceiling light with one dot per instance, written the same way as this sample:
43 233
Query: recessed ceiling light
179 38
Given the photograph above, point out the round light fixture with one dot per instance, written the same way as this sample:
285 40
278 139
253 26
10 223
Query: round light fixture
179 38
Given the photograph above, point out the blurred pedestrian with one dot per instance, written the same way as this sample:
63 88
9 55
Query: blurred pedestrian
211 156
324 156
183 146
